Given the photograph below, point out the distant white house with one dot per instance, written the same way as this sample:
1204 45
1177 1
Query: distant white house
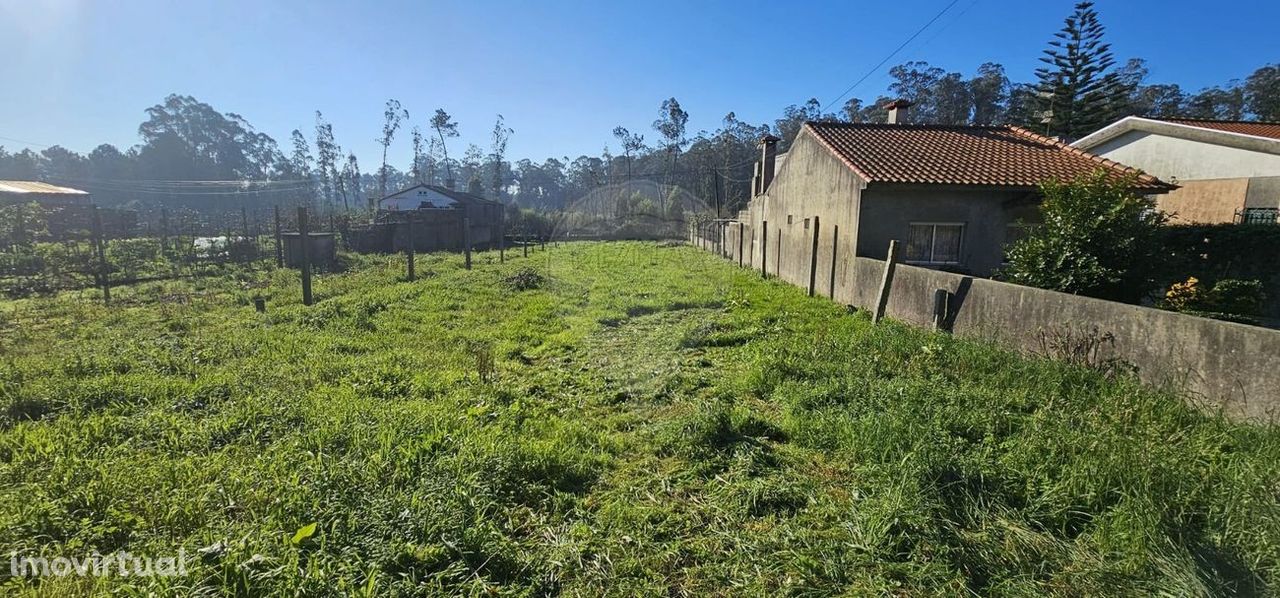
1226 171
420 197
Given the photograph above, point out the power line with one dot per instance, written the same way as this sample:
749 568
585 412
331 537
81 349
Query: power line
243 183
25 141
118 188
891 55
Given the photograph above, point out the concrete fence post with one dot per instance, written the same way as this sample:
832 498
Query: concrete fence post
777 255
835 253
466 242
304 255
279 241
941 307
882 300
410 247
741 234
813 258
764 249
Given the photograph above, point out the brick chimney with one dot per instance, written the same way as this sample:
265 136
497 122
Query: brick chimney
768 155
898 111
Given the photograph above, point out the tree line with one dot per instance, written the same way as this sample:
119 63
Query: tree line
187 146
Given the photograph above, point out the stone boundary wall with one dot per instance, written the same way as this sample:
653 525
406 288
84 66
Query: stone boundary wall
1216 363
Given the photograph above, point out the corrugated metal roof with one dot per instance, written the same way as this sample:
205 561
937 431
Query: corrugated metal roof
37 187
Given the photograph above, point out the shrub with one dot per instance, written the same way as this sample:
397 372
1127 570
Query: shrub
524 279
1099 239
1231 297
1240 297
1185 296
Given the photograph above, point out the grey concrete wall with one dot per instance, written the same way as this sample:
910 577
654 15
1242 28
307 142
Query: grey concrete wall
1264 192
1222 363
811 183
1217 364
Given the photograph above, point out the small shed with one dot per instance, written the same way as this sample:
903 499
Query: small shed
323 250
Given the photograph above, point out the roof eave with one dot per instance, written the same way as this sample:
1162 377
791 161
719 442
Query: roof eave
1181 131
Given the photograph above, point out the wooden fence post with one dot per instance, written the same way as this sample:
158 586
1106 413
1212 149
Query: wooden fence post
835 246
764 249
502 236
413 240
304 238
279 241
164 229
813 258
99 243
20 225
882 300
524 243
466 241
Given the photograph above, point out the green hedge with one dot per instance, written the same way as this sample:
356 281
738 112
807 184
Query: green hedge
1214 252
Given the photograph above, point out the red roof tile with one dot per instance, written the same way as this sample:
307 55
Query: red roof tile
1256 129
962 155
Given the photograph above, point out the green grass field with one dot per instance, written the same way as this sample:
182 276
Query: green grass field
628 419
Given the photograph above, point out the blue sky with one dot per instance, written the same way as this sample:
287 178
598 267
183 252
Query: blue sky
564 73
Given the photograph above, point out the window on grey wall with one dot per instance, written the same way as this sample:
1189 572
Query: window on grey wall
934 242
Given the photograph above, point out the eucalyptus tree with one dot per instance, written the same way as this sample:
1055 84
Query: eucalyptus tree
326 158
671 124
500 136
393 117
445 128
300 164
415 171
632 144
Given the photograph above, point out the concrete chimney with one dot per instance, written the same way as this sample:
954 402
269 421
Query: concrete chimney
755 178
450 183
768 155
897 111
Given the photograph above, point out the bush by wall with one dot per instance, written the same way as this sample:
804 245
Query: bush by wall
1214 253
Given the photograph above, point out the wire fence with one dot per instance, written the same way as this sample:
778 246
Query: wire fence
42 254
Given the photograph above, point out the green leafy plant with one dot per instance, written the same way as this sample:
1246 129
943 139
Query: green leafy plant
1099 239
1229 297
524 279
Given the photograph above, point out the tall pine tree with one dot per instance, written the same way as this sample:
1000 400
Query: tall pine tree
1078 92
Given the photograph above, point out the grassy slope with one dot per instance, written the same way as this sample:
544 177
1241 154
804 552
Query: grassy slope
657 423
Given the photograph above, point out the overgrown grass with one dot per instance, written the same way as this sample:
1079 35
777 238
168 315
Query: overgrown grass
642 421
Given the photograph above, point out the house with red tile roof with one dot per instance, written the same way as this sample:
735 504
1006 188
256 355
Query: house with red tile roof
1226 171
952 196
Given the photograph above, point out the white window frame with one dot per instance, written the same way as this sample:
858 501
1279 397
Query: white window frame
933 242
